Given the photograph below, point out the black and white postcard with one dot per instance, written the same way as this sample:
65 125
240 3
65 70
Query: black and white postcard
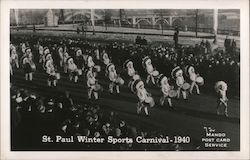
125 80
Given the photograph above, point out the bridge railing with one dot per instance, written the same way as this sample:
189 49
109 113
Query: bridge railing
181 28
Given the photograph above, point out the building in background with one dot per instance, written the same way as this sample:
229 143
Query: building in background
51 19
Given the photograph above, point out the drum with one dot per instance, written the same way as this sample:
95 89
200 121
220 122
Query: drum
200 81
185 86
58 76
172 93
155 73
98 87
98 68
119 81
33 67
150 101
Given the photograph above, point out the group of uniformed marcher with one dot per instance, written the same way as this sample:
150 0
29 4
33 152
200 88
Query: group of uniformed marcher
75 62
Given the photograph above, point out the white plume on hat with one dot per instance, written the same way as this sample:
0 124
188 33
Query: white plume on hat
220 85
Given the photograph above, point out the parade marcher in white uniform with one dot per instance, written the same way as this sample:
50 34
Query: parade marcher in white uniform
60 53
91 65
23 47
13 59
90 62
190 72
28 65
162 82
129 66
72 70
152 73
145 99
79 60
177 74
46 51
50 70
115 80
221 90
105 58
92 84
65 63
41 52
97 53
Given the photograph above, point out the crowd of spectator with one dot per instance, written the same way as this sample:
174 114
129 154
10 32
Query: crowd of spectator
35 116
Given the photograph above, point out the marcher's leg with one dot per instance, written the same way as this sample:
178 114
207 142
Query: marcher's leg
17 64
49 83
139 107
70 77
55 83
162 99
152 79
11 71
89 93
218 108
146 110
225 111
117 89
184 94
170 102
191 88
197 89
148 78
76 79
30 76
178 92
96 95
111 87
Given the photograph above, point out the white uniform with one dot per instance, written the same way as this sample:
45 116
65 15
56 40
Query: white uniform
90 62
14 58
50 70
150 69
72 70
106 59
113 77
91 83
180 82
131 70
193 77
222 99
144 100
165 88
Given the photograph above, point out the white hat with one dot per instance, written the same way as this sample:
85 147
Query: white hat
109 66
69 59
188 70
126 63
177 70
220 85
145 60
160 79
135 85
47 55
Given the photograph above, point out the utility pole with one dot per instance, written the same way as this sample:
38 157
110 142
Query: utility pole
72 17
196 23
161 22
215 17
62 16
92 11
16 17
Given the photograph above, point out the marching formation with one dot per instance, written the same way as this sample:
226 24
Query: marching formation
90 64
